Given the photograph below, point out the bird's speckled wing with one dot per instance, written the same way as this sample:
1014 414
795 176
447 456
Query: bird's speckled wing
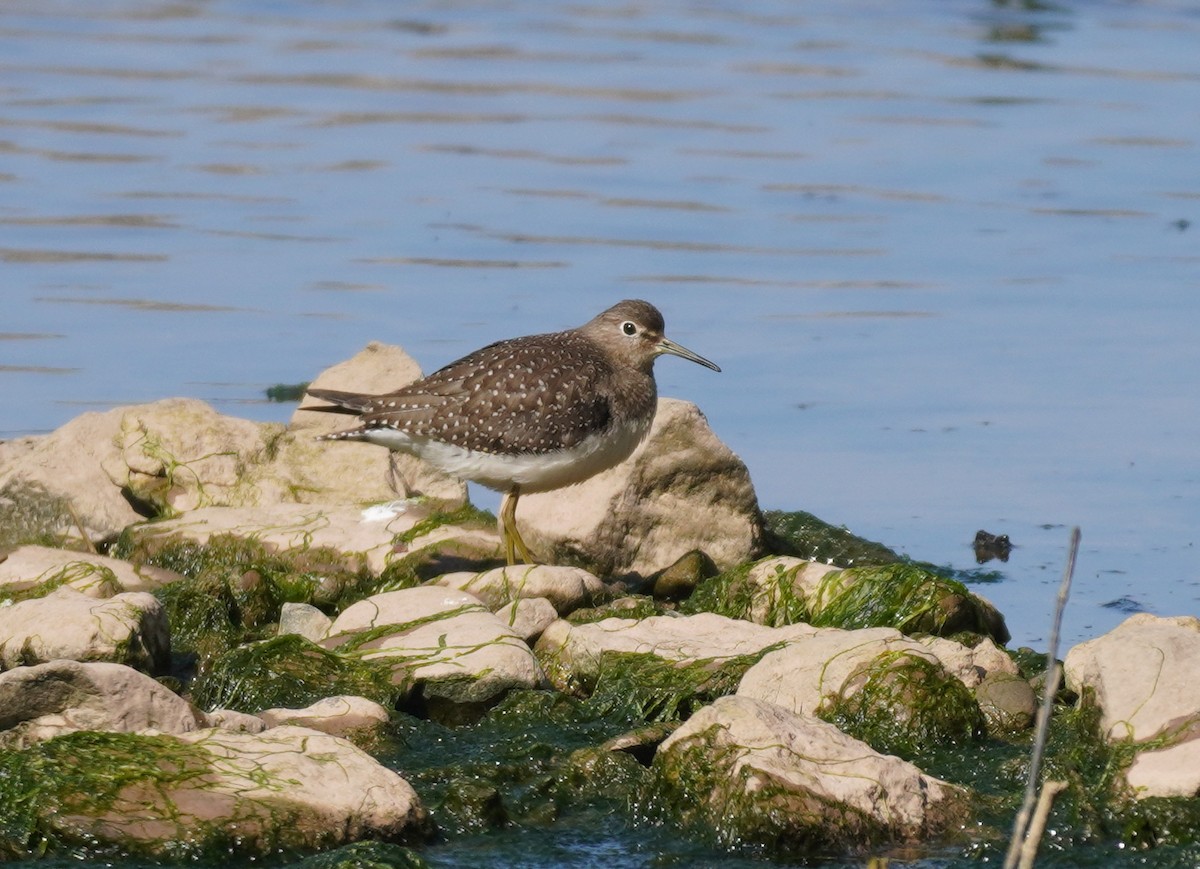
524 395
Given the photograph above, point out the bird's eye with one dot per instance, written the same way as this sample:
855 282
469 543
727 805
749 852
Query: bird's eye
629 327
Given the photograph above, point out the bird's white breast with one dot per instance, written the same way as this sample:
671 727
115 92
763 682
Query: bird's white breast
533 472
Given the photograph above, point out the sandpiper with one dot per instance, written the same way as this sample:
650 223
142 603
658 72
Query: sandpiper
527 414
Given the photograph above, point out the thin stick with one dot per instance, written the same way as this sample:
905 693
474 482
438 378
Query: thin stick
1021 827
1037 826
91 547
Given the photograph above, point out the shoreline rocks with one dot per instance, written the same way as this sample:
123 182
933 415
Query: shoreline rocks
778 703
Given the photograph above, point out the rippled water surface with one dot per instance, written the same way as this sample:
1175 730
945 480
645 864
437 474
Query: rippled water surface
944 251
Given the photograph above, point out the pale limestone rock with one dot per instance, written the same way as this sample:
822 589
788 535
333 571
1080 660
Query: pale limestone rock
567 588
1143 673
237 722
358 535
129 628
70 463
528 616
96 576
286 788
443 645
378 368
177 455
682 489
47 700
1168 772
577 649
346 716
781 775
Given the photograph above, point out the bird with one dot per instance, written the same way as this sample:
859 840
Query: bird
528 414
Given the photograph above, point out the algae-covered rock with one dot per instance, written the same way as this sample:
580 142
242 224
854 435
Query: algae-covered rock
47 700
751 772
573 653
32 571
903 596
680 490
288 671
876 684
772 591
283 528
679 580
567 588
128 628
206 792
450 656
805 536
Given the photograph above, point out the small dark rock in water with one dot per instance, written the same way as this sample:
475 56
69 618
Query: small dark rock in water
1124 604
989 546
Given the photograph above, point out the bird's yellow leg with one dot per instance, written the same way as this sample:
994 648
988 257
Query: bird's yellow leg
513 544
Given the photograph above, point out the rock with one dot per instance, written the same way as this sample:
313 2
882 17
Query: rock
357 534
128 628
567 588
1142 675
895 689
528 616
96 576
289 788
1008 702
46 700
377 368
903 596
682 489
178 455
453 657
237 722
305 620
775 590
1168 772
353 718
576 650
755 773
678 581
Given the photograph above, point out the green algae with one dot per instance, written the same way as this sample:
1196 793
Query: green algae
805 536
899 701
774 602
82 575
628 607
904 596
234 588
290 672
410 569
515 766
364 855
641 687
82 774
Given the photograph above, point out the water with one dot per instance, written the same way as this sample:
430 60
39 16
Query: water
944 251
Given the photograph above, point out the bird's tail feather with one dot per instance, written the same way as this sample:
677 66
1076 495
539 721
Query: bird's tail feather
343 402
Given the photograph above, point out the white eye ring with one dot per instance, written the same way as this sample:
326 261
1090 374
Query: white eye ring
629 327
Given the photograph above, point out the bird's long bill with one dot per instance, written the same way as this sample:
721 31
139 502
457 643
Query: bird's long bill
666 345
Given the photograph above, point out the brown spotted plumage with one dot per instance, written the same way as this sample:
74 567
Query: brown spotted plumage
527 414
